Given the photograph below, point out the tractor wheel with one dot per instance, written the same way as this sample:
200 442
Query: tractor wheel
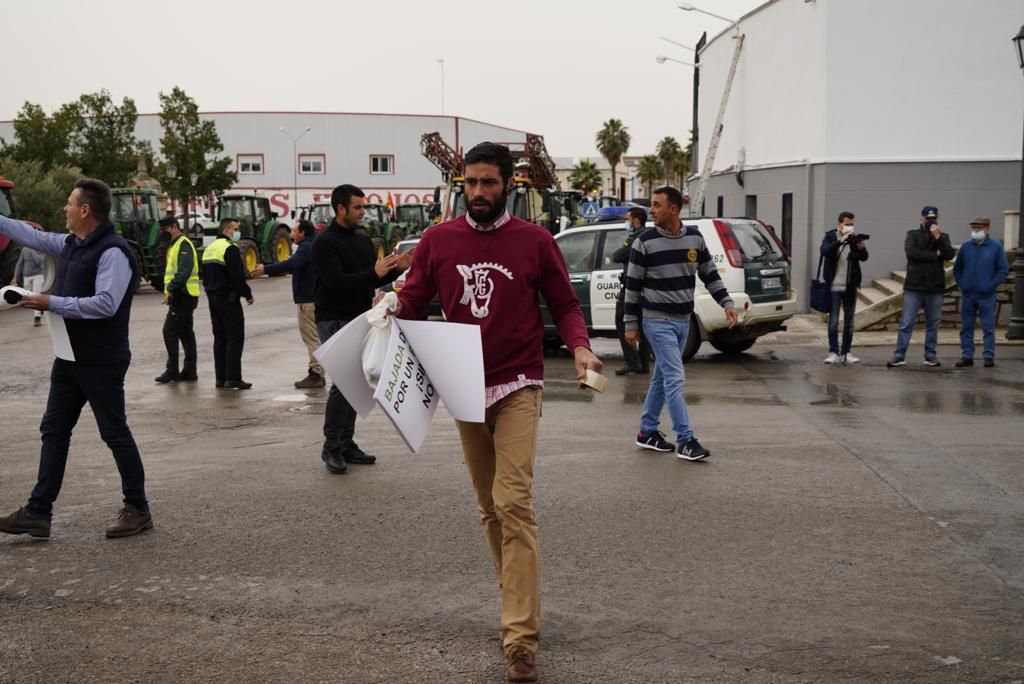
142 267
733 347
8 262
692 340
280 245
396 237
156 279
49 274
378 247
250 255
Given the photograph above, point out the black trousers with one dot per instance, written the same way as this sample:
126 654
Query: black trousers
339 416
635 358
71 386
178 329
228 336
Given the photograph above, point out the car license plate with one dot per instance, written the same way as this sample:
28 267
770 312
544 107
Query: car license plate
771 283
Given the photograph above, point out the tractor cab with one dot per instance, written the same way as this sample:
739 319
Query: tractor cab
265 238
9 251
320 215
135 214
6 203
412 219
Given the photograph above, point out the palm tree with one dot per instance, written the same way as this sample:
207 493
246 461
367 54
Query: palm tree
648 171
667 150
613 142
681 166
585 176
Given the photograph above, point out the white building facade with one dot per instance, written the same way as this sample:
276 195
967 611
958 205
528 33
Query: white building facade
875 107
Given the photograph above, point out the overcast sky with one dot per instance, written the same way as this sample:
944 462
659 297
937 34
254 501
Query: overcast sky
555 67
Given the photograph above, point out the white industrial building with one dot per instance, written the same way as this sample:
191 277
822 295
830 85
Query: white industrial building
878 107
380 153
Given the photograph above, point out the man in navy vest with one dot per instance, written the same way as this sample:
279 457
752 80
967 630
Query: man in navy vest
96 279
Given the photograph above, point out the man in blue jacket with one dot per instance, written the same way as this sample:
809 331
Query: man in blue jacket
300 265
980 267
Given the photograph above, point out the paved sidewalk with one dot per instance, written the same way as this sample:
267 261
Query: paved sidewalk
811 329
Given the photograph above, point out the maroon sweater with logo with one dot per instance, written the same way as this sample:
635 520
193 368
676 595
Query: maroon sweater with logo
494 280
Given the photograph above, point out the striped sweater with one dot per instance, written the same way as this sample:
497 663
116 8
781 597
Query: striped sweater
662 274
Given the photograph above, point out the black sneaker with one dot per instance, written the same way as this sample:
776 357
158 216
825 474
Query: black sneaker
989 362
964 363
896 361
24 521
692 451
932 362
237 385
653 440
165 378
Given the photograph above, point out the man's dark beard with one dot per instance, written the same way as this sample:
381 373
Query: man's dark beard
488 215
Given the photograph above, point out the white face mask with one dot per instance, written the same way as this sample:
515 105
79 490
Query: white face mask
977 235
847 230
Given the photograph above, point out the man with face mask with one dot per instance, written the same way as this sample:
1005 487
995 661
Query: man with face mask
224 282
979 268
181 295
490 269
841 261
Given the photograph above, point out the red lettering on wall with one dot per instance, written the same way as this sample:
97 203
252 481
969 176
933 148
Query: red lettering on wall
279 202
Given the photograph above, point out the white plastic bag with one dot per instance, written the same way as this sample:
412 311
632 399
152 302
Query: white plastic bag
11 295
375 343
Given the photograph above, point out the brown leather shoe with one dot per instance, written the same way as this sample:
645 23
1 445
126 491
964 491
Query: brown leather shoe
310 381
130 521
24 521
521 665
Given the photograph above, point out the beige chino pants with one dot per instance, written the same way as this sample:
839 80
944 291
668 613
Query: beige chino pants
307 330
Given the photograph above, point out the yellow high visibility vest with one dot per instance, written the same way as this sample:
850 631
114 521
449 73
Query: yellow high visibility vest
192 284
215 252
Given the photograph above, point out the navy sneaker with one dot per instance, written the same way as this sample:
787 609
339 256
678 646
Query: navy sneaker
933 362
896 361
653 440
692 451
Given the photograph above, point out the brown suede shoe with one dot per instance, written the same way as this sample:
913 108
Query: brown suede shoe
310 381
130 521
24 521
521 665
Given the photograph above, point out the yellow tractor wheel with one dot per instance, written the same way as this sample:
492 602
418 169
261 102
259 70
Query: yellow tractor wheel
250 255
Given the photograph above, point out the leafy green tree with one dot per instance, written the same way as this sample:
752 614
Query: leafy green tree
668 150
648 171
103 142
585 176
190 145
40 193
613 142
40 137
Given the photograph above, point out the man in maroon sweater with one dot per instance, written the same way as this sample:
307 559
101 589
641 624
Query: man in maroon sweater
488 269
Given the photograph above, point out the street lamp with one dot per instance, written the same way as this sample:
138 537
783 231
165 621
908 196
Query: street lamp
295 163
687 7
661 59
685 47
1016 329
441 62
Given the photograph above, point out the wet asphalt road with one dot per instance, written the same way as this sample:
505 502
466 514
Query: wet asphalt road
853 523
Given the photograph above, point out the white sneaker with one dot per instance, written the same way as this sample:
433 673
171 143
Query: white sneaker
850 358
832 358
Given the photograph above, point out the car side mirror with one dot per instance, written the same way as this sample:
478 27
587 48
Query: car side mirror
273 214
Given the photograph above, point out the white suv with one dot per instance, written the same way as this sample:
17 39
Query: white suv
750 261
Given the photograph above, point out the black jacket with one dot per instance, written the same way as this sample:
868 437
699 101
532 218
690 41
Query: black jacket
925 260
300 265
343 259
229 278
831 249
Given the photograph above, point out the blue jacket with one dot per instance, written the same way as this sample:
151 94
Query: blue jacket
980 267
300 265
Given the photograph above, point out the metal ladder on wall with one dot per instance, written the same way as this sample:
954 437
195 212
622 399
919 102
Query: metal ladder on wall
705 174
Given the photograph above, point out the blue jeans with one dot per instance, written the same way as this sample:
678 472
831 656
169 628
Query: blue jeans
841 300
71 386
912 303
666 339
983 306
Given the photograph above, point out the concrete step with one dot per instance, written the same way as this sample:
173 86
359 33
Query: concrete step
889 286
868 296
899 276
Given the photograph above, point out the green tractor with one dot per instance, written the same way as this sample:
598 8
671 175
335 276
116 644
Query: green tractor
265 238
136 215
411 220
381 229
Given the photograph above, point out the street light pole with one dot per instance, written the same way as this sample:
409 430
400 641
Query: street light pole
295 164
687 7
661 59
441 62
1015 331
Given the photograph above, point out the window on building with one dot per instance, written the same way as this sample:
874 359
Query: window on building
751 206
720 207
787 222
312 163
382 164
250 163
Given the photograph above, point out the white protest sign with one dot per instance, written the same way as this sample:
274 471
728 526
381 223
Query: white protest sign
342 359
59 337
405 392
453 355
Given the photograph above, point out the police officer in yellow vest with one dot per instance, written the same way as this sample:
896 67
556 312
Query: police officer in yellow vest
181 295
224 282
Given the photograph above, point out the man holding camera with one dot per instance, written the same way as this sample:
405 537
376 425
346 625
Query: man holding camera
842 250
927 248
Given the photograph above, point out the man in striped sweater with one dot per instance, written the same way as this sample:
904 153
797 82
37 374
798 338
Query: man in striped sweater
663 267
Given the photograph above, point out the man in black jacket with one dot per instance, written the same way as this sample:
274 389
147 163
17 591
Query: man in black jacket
841 270
927 248
224 282
300 265
347 273
637 359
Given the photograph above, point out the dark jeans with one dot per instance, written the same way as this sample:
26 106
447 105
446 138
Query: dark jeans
339 416
635 357
847 302
228 336
178 328
71 386
984 307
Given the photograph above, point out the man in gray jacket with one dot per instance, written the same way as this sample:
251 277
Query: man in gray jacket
29 274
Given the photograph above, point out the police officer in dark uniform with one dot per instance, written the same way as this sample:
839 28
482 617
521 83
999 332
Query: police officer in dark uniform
224 282
181 295
637 359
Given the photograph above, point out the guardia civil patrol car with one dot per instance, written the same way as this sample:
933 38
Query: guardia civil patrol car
750 261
